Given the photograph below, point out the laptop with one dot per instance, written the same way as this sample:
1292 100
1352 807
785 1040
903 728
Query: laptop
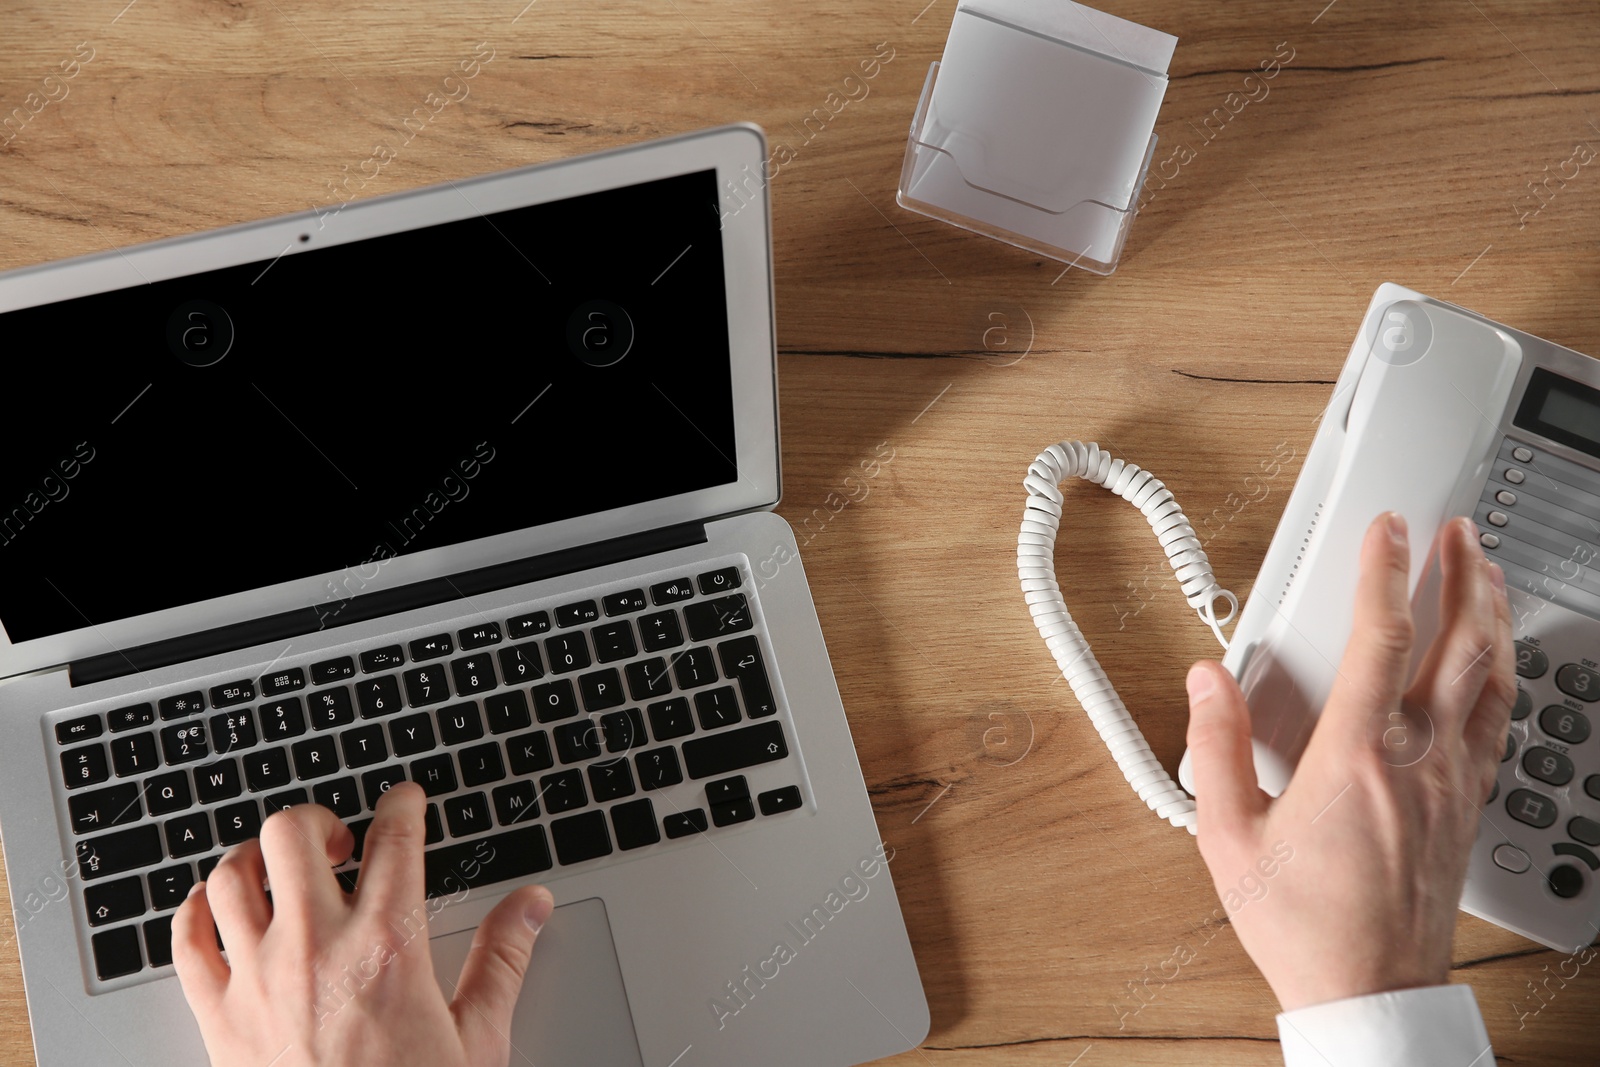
471 486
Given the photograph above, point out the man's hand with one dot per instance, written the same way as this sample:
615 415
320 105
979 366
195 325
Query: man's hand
317 978
1379 841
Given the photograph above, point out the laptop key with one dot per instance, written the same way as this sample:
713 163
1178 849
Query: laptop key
567 652
741 660
507 712
563 791
285 800
134 754
693 667
625 603
266 770
670 719
481 764
473 674
315 757
521 663
110 902
726 789
623 730
775 800
530 625
376 783
648 678
131 718
716 707
217 781
412 734
684 823
581 837
635 824
467 815
432 828
187 835
235 730
515 803
333 670
182 705
732 750
720 581
601 689
167 793
450 869
170 886
378 696
281 682
339 796
460 723
237 823
577 614
282 719
240 692
85 766
732 811
435 774
718 618
382 659
330 708
479 636
80 729
426 648
158 940
658 767
614 641
358 830
610 780
125 850
364 746
577 741
184 743
529 752
116 953
671 592
555 700
104 808
660 630
426 685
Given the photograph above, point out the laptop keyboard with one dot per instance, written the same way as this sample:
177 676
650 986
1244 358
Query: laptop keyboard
545 739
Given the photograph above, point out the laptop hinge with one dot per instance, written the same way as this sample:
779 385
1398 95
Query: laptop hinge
365 606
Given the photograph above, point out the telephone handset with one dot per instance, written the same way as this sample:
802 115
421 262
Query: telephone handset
1437 412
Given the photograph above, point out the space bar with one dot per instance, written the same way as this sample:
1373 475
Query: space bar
455 868
720 753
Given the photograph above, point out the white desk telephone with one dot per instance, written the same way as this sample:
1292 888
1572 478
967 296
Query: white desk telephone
1437 412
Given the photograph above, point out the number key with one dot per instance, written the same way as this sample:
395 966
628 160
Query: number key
567 652
473 674
521 663
378 696
1568 725
1531 663
1580 682
282 719
185 742
330 708
426 685
1547 766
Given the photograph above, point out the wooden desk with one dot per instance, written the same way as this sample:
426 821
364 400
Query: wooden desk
1397 143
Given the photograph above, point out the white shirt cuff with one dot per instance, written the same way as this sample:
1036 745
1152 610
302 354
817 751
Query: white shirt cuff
1438 1026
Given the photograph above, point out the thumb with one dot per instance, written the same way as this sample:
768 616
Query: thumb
1227 797
491 977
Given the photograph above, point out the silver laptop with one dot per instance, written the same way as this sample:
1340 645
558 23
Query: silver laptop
470 486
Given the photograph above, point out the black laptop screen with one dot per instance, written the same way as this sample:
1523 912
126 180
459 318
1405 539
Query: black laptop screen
206 435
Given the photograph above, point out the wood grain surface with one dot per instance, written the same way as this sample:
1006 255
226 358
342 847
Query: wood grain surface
1397 142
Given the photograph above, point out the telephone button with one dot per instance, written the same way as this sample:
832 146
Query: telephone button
1498 518
1565 881
1585 830
1524 705
1580 682
1570 726
1512 859
1591 785
1514 476
1522 455
1489 540
1531 663
1511 747
1506 497
1524 805
1547 765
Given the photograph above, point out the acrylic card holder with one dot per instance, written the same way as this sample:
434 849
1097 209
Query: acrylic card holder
1036 127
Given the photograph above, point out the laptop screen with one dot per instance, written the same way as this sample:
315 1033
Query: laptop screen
206 435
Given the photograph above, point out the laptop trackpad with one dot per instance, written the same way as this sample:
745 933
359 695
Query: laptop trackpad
573 1011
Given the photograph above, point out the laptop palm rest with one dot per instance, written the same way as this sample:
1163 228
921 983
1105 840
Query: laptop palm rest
573 1011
